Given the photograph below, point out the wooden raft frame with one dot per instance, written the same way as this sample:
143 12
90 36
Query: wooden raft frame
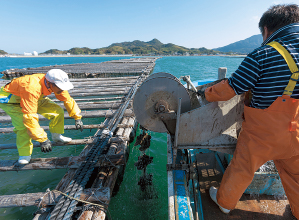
93 106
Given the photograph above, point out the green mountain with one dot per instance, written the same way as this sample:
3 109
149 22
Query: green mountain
155 47
2 52
243 46
137 47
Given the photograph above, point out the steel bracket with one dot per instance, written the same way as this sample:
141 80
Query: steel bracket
171 167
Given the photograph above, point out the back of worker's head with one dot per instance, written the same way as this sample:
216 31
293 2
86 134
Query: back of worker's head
278 16
59 78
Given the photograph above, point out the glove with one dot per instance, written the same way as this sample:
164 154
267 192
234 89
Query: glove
79 124
46 146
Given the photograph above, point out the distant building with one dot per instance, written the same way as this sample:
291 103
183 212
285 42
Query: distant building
27 54
35 53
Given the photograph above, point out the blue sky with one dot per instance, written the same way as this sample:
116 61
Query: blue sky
39 25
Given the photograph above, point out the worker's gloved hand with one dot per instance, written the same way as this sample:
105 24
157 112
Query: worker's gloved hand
79 124
201 93
46 146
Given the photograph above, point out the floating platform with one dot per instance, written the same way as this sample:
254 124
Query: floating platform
92 175
114 68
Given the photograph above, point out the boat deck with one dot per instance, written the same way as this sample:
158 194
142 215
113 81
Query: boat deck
264 207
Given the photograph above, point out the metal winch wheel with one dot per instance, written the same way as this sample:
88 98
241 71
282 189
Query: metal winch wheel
159 93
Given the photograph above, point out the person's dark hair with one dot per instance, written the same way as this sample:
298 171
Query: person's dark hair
278 16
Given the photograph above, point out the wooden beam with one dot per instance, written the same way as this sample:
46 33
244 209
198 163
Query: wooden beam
59 163
108 79
68 127
85 114
84 93
37 144
90 106
117 98
51 198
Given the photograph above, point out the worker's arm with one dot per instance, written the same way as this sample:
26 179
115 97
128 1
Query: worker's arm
241 81
221 91
70 105
29 103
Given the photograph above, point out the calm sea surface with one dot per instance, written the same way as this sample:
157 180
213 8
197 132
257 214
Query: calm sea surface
130 202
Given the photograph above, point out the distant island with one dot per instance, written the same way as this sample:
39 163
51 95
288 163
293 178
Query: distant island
243 46
137 47
156 48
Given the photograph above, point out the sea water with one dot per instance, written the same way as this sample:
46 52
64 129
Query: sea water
129 202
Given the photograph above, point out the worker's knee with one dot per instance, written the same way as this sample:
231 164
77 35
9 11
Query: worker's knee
60 111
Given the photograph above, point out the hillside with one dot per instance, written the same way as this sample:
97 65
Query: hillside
243 46
2 52
137 47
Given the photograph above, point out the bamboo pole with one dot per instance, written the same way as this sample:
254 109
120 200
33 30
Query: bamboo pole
85 114
67 127
58 163
37 144
51 198
90 106
100 93
102 175
95 82
64 182
127 131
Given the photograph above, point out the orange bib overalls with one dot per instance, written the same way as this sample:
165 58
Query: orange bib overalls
267 134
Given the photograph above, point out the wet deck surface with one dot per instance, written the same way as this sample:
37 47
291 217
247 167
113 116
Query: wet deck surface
249 207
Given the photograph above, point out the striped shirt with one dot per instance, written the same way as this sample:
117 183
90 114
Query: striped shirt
265 72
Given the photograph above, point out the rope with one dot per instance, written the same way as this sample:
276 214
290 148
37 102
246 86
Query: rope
79 200
41 198
106 158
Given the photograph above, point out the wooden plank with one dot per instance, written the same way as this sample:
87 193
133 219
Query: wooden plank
58 163
51 198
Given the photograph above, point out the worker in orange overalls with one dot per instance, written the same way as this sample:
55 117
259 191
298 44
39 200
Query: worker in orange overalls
25 96
270 129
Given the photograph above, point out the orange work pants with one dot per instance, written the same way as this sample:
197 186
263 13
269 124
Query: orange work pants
267 134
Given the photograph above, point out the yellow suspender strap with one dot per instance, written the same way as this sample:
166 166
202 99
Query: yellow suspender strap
291 64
